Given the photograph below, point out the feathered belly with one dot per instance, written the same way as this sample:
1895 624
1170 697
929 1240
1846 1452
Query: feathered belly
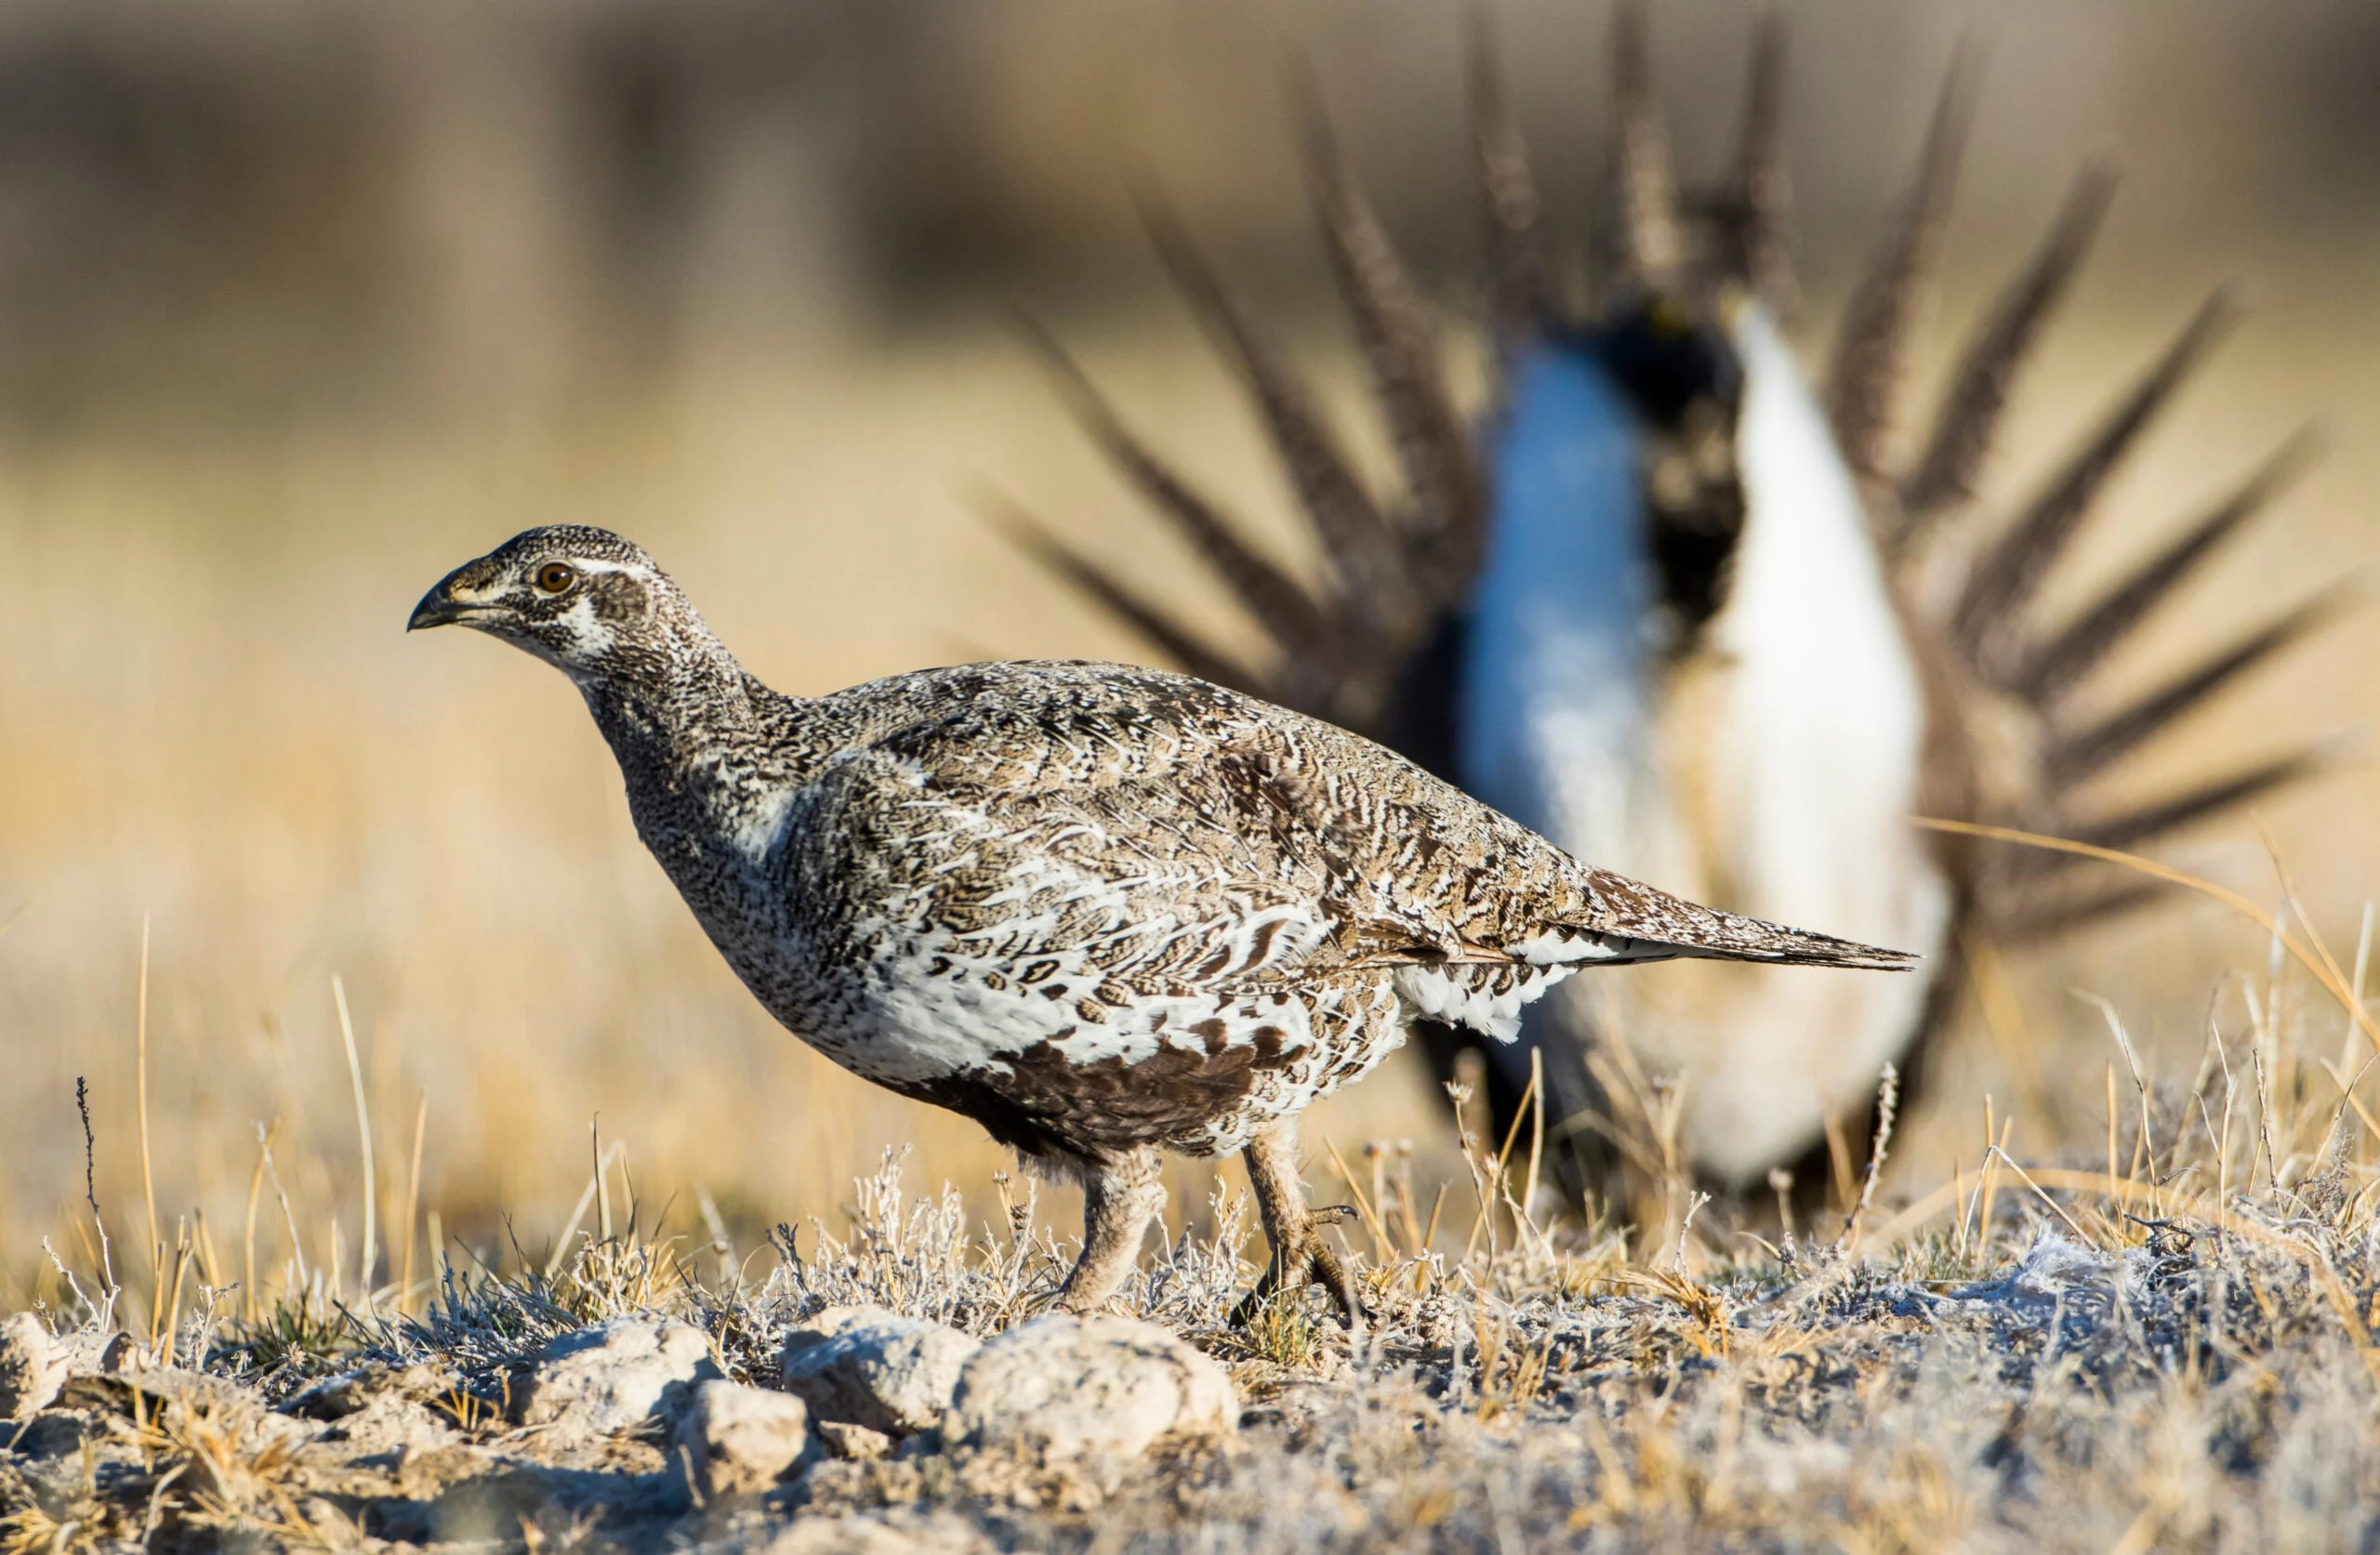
1484 999
1054 1059
1209 1076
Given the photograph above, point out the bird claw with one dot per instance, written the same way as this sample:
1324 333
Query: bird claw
1335 1215
1312 1264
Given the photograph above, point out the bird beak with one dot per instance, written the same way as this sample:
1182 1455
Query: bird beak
437 609
461 598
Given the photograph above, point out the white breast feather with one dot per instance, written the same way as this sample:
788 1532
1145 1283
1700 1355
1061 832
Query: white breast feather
1817 771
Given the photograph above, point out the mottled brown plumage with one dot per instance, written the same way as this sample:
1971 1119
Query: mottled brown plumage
1103 911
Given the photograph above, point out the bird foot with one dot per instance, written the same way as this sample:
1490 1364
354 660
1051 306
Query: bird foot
1306 1259
1067 1305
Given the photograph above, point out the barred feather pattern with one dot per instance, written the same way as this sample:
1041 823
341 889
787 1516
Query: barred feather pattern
1094 906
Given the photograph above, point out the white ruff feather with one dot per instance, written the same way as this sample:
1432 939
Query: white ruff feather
1809 784
1815 777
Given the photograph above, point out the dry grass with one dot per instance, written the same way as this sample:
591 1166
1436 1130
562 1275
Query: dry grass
233 743
218 730
2106 1295
2170 1346
224 734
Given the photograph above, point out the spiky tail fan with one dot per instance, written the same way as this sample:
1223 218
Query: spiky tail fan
1365 646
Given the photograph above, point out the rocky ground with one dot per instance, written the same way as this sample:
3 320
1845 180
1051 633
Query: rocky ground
2115 1370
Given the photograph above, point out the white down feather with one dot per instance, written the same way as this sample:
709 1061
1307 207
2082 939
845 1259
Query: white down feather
1784 791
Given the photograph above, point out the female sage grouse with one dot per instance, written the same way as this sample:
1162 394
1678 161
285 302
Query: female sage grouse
1102 911
1680 611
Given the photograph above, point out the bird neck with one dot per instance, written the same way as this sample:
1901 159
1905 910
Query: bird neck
693 734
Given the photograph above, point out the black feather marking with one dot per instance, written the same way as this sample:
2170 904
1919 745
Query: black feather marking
2075 756
1651 243
2055 664
2037 915
1871 347
1279 602
1366 562
1963 427
1446 519
2005 578
2128 828
1764 194
1518 268
1178 642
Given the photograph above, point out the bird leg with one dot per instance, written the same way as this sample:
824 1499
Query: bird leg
1120 1197
1299 1252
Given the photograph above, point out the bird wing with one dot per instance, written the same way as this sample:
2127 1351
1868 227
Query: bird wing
1174 835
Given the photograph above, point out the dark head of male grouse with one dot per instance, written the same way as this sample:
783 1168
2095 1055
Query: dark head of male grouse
1103 911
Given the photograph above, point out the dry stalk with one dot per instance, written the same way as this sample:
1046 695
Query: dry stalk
174 1301
602 1179
248 1234
2147 1146
578 1215
364 1134
2348 1046
148 1177
413 1201
1536 1128
1887 1106
2060 1210
1838 1160
104 1258
2323 968
1686 1231
2346 1092
1365 1208
2111 1134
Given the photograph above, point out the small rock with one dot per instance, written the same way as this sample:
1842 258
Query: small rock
494 1506
2059 1274
351 1393
891 1532
53 1434
739 1441
871 1366
31 1367
853 1443
141 1393
1066 1388
91 1350
615 1374
381 1409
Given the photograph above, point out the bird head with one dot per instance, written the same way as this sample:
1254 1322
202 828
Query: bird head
1671 351
579 597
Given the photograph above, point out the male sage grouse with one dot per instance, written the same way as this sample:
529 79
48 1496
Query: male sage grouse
1679 612
1102 911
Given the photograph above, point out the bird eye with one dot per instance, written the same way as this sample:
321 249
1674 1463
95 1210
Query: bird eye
555 576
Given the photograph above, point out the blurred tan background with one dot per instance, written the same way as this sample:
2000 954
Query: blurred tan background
301 304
